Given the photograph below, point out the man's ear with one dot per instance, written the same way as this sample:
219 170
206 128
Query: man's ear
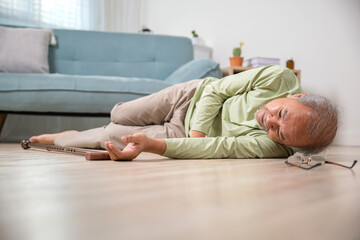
298 95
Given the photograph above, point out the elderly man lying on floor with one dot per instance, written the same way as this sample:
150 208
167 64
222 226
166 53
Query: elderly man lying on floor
261 113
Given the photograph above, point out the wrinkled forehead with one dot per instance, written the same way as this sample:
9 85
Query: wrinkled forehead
297 127
291 104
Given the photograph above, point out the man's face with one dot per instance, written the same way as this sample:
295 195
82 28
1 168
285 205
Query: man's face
285 120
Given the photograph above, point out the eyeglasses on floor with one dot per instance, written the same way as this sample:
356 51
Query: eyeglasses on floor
309 162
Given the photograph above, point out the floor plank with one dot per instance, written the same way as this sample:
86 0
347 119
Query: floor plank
61 196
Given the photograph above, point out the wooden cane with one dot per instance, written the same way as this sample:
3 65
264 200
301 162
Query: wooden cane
88 153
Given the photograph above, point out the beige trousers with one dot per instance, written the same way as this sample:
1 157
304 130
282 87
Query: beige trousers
159 115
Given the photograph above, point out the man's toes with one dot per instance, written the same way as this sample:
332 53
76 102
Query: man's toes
34 140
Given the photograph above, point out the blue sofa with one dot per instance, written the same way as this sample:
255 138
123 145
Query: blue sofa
91 71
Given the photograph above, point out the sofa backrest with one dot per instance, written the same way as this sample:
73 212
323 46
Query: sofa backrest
118 54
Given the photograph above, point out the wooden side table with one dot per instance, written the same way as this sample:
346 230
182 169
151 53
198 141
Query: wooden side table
236 69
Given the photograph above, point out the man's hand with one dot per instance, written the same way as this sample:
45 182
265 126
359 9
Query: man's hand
197 134
136 144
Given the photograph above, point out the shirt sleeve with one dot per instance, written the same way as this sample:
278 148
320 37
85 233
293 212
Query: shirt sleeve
267 81
225 147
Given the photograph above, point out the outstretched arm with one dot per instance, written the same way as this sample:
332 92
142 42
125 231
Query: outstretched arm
258 146
136 144
194 148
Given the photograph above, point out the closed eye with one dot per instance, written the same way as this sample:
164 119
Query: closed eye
282 136
285 112
283 115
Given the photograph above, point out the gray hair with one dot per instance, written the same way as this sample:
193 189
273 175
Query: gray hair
323 124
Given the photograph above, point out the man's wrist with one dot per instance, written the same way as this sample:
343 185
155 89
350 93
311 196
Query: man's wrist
157 146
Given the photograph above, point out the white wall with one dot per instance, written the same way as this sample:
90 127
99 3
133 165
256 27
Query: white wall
323 37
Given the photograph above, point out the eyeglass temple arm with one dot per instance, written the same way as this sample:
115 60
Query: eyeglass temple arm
294 165
338 164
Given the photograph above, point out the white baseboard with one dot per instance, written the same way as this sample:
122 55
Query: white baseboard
347 138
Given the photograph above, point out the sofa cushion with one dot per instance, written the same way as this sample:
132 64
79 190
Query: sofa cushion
195 69
24 50
71 93
118 54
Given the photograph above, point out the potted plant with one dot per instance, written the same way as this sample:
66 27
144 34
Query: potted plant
195 37
237 60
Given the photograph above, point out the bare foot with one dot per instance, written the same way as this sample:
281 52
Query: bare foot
48 138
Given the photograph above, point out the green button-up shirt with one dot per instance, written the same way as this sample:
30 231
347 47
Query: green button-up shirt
224 109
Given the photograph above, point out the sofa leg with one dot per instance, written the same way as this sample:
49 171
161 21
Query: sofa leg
2 120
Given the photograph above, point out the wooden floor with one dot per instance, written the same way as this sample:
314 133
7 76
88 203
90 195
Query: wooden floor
60 196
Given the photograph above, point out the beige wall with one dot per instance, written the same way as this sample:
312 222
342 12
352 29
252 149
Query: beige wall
322 36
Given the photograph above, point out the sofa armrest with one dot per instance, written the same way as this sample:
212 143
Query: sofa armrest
195 69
